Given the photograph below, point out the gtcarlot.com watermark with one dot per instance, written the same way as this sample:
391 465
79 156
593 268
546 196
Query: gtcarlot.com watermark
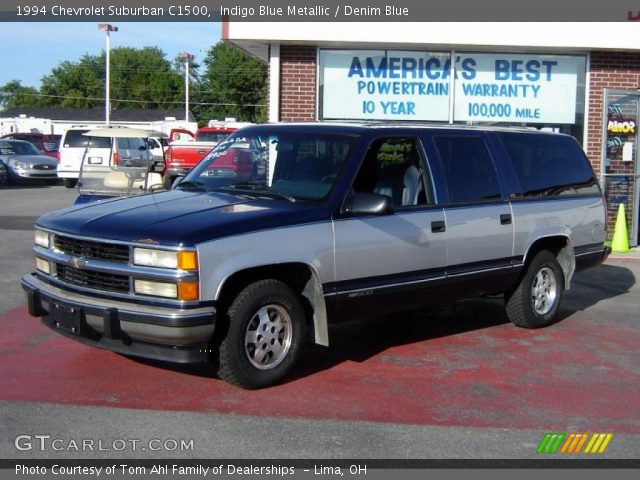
48 443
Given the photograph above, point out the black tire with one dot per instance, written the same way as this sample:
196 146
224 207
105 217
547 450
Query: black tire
535 301
70 182
4 175
168 181
266 359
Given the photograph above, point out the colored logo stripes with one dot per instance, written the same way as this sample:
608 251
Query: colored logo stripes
574 442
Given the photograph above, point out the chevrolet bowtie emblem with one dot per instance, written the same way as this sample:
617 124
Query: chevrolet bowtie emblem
78 262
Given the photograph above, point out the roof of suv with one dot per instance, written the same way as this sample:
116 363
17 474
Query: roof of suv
355 127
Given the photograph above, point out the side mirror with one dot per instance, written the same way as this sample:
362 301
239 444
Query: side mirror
368 204
177 180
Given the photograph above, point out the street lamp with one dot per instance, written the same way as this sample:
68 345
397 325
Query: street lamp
187 57
105 27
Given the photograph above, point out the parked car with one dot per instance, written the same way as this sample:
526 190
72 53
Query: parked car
98 181
20 160
99 150
346 221
48 144
186 149
158 145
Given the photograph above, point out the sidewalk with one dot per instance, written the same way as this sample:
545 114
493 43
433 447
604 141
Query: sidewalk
632 255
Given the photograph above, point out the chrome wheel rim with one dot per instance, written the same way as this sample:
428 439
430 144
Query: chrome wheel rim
268 337
544 291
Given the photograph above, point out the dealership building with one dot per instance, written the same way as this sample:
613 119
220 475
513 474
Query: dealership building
577 78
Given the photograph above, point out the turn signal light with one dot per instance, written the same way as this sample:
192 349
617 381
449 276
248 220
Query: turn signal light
188 291
188 260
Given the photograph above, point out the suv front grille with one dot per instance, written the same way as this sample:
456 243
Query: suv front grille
91 250
91 279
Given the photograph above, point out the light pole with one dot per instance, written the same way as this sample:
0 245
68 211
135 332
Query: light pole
107 103
187 57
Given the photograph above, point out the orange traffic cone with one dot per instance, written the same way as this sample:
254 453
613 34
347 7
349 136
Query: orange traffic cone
620 241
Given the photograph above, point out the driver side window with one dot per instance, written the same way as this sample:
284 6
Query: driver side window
393 167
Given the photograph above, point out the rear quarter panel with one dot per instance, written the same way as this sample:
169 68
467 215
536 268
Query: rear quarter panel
581 219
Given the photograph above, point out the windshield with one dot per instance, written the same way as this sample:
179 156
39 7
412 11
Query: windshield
51 146
297 165
77 138
18 148
211 136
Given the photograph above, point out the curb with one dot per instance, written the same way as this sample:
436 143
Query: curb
632 256
623 259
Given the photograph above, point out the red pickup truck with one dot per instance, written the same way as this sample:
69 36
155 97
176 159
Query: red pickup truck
183 154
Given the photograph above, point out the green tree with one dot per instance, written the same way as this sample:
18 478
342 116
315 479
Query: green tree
140 78
13 94
233 85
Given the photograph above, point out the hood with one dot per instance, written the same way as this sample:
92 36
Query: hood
179 218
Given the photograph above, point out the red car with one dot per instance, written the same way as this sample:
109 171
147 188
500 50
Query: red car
49 144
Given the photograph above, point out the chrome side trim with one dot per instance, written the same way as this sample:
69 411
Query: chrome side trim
425 280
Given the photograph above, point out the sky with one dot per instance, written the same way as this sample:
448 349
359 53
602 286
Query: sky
30 51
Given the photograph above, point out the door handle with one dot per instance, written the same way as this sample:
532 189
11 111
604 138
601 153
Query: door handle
505 219
438 226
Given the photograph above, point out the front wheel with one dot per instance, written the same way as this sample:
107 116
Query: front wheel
535 301
265 335
4 174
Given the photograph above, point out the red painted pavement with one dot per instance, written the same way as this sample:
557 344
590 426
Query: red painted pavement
461 365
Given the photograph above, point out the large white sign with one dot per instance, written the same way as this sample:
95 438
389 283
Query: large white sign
405 85
378 85
517 88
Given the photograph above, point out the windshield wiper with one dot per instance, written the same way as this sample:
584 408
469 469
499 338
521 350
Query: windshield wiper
261 188
189 185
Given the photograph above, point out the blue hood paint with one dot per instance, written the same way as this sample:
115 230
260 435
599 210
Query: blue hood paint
180 218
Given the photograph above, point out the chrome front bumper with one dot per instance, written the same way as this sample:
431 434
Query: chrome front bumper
150 331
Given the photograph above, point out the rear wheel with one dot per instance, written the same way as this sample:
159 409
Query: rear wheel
265 335
535 301
70 182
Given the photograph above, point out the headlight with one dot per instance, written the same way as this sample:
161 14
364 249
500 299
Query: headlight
157 289
41 238
43 265
182 291
186 260
20 165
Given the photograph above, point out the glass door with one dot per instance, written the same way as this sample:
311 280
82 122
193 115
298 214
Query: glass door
620 168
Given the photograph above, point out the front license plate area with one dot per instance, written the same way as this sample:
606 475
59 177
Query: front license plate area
66 318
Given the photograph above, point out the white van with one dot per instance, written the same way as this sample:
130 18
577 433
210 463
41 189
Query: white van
75 145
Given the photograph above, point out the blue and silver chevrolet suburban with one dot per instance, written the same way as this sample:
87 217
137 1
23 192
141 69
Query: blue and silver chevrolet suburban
243 266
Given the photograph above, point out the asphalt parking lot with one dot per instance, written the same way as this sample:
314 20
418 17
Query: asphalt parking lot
457 381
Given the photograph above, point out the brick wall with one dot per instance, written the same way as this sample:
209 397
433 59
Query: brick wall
620 70
298 83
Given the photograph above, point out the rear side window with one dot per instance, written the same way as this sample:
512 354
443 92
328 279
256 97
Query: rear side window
131 144
468 168
548 165
77 139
